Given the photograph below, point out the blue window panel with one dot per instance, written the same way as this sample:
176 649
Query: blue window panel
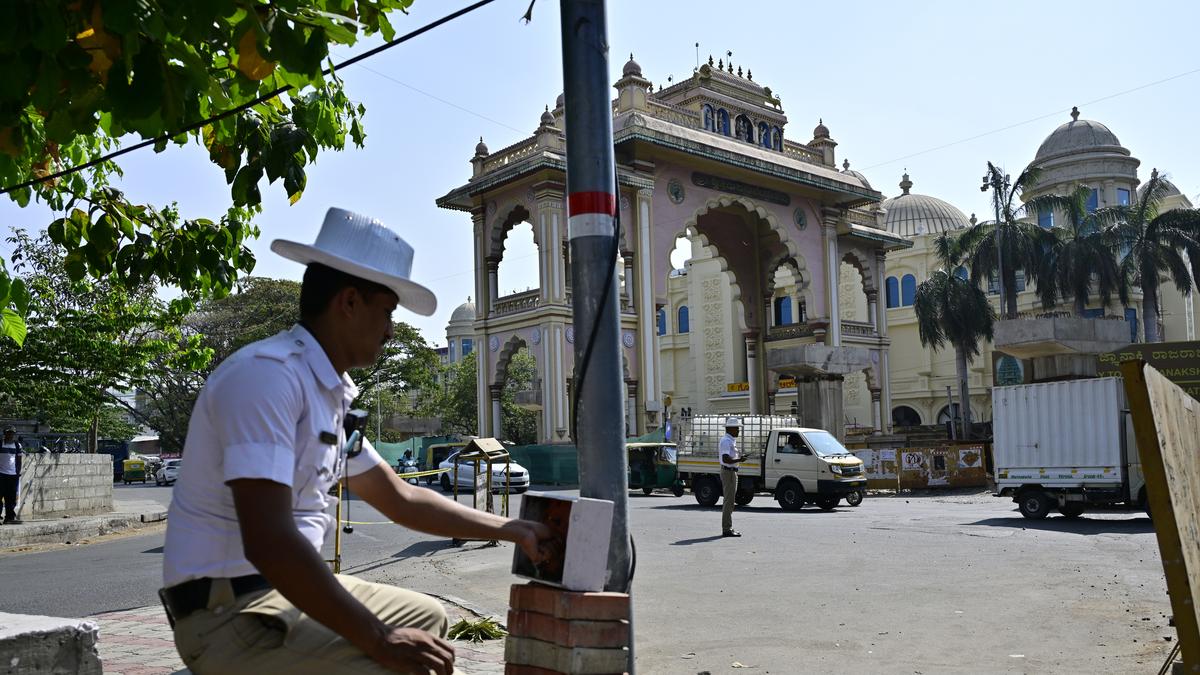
893 292
1132 318
908 290
662 322
777 138
467 346
783 311
450 352
1095 313
961 273
723 121
1093 201
1122 197
684 324
764 134
709 118
1046 220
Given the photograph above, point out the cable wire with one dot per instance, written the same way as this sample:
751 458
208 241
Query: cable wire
247 105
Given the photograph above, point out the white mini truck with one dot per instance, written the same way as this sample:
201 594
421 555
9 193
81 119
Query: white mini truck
796 465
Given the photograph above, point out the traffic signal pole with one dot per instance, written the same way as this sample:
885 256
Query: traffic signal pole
599 425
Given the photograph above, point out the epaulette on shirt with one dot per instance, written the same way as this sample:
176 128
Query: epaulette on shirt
280 348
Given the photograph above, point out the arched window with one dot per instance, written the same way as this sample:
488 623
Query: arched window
908 290
777 138
1045 219
1093 200
764 134
682 320
709 122
722 121
905 416
467 346
783 311
450 352
662 321
893 292
743 130
961 273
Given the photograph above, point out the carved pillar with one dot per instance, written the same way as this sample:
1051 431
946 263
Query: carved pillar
880 314
752 372
833 266
873 309
876 412
495 390
885 373
553 265
632 425
493 267
630 291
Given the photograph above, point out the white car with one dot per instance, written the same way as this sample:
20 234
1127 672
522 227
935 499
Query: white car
518 478
168 473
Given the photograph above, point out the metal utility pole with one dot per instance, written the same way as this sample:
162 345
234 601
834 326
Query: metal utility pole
591 209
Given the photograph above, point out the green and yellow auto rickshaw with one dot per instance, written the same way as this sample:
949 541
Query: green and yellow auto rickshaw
653 465
433 455
133 469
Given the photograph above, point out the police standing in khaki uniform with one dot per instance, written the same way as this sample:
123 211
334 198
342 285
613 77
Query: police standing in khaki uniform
730 458
245 584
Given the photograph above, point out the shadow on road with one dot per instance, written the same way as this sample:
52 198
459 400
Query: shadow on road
156 549
811 510
697 540
1083 525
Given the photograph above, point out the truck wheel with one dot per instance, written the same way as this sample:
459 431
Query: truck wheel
854 498
647 491
744 496
827 503
1071 510
677 489
790 495
1033 504
707 490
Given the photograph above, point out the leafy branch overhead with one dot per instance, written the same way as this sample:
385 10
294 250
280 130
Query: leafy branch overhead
83 77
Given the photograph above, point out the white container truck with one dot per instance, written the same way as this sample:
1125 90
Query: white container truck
795 465
1065 446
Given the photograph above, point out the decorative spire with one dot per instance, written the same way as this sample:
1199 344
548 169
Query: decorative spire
739 71
710 59
730 68
1154 174
905 183
749 75
973 219
720 64
845 165
1074 113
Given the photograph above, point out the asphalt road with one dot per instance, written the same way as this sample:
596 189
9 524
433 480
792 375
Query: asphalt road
900 584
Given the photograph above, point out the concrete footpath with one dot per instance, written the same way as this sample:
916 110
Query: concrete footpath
127 514
138 642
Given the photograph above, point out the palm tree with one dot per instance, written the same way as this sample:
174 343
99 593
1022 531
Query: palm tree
1155 243
1020 244
952 309
1081 254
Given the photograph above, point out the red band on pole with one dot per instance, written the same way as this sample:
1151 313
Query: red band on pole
591 202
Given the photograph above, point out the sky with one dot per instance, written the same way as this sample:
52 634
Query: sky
938 88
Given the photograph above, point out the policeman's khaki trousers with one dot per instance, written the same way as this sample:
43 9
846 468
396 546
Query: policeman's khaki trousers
263 633
729 483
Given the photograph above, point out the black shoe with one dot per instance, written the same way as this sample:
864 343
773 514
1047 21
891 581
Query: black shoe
12 521
731 533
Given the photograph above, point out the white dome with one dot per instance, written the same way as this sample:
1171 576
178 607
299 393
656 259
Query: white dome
1078 136
464 313
910 215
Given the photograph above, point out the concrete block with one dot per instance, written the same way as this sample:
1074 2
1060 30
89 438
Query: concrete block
575 660
567 633
44 645
598 606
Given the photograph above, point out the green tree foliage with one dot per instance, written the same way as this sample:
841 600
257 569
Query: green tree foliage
458 405
1155 242
82 76
1079 256
89 340
518 424
1020 240
951 309
457 401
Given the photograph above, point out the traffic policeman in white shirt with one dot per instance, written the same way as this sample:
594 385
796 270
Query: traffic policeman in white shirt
730 458
245 584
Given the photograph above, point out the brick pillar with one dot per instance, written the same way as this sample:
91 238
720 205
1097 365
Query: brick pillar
554 631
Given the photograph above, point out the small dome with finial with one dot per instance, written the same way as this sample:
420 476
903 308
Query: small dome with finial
1076 136
912 215
631 69
464 313
560 101
547 118
481 148
850 172
821 131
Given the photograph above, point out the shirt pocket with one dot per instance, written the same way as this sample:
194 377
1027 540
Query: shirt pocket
317 463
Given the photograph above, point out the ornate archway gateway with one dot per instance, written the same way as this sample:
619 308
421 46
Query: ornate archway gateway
752 202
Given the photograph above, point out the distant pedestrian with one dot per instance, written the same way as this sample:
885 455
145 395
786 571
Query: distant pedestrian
730 458
10 475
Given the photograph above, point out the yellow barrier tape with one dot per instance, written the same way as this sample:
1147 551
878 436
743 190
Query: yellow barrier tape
418 474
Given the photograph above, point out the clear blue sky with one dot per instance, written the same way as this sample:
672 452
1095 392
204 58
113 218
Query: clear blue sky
900 85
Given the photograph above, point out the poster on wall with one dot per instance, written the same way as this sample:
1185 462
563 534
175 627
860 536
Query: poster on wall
887 455
970 458
912 461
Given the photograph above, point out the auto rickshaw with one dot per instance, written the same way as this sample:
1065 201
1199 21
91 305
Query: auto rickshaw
433 456
133 469
653 465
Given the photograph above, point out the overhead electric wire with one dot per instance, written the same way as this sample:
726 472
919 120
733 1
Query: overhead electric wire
247 105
